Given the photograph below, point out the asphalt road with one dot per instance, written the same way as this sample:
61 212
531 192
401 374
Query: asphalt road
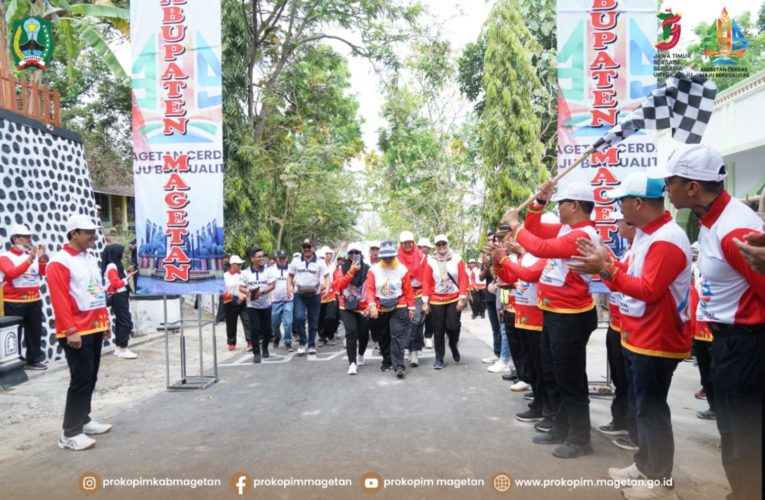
292 417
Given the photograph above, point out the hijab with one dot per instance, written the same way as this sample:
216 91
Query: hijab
112 254
358 278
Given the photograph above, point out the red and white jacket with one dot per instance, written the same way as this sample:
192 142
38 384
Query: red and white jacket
731 292
655 289
439 290
342 284
77 293
528 271
388 282
115 284
560 290
475 278
614 298
22 278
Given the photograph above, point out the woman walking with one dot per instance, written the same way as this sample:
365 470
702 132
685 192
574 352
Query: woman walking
353 304
114 275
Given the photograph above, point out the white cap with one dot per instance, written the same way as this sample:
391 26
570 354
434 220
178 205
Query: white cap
424 242
235 259
639 185
578 191
405 236
354 247
19 230
441 237
697 162
550 218
296 255
471 261
324 250
374 244
80 221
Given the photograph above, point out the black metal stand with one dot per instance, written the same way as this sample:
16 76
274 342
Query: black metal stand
200 381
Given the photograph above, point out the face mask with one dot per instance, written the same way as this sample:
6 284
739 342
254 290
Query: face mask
22 248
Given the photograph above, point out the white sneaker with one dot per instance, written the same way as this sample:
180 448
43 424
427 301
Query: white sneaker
520 386
414 358
77 443
352 369
653 492
301 350
312 351
490 359
94 427
428 343
360 360
500 367
125 353
630 472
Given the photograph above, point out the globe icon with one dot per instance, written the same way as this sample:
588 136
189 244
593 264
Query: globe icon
502 482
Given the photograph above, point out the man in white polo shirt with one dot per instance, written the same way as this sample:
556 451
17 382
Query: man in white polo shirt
307 274
732 303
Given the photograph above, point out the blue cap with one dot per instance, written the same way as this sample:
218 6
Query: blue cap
388 249
638 185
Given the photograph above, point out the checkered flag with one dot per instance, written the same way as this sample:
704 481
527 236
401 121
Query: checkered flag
685 104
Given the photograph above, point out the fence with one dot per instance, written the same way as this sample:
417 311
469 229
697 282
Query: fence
32 100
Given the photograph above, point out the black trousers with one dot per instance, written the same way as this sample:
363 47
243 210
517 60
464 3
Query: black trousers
235 311
491 310
518 351
739 379
329 320
564 367
260 328
703 352
83 371
649 380
416 340
478 302
446 321
123 324
220 314
31 312
532 339
374 329
428 327
356 331
621 415
381 328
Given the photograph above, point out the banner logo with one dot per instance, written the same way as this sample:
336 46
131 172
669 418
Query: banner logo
724 43
32 43
670 29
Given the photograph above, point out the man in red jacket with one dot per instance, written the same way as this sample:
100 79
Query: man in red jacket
569 315
23 266
732 303
82 321
654 286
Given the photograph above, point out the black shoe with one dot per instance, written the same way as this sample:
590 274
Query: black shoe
567 450
265 352
528 396
324 341
549 438
613 430
456 355
707 414
626 443
510 377
36 366
544 425
483 316
276 342
256 357
385 368
400 374
531 415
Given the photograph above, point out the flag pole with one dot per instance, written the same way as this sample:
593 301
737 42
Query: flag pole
561 174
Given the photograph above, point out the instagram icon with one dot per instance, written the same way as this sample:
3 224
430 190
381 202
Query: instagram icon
90 482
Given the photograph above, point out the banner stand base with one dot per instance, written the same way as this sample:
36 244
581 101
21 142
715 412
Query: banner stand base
201 380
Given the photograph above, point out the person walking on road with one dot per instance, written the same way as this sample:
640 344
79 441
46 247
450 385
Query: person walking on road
351 285
307 276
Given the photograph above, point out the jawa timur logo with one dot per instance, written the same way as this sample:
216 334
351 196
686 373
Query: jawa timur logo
670 29
32 43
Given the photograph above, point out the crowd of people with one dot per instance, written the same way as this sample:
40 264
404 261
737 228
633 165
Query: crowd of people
533 280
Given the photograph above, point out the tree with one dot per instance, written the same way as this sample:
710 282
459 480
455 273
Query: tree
510 125
426 176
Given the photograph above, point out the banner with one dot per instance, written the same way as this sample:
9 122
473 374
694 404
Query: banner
178 145
605 70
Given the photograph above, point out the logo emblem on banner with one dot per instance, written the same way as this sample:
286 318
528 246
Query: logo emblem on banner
32 43
724 43
670 29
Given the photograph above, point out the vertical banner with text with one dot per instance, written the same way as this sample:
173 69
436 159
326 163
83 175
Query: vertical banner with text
605 70
178 145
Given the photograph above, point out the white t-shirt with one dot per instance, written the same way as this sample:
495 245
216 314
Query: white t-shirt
308 274
253 279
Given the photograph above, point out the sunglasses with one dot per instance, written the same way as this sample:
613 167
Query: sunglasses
354 252
307 247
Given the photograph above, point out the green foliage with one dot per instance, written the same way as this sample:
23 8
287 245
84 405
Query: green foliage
510 123
425 178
